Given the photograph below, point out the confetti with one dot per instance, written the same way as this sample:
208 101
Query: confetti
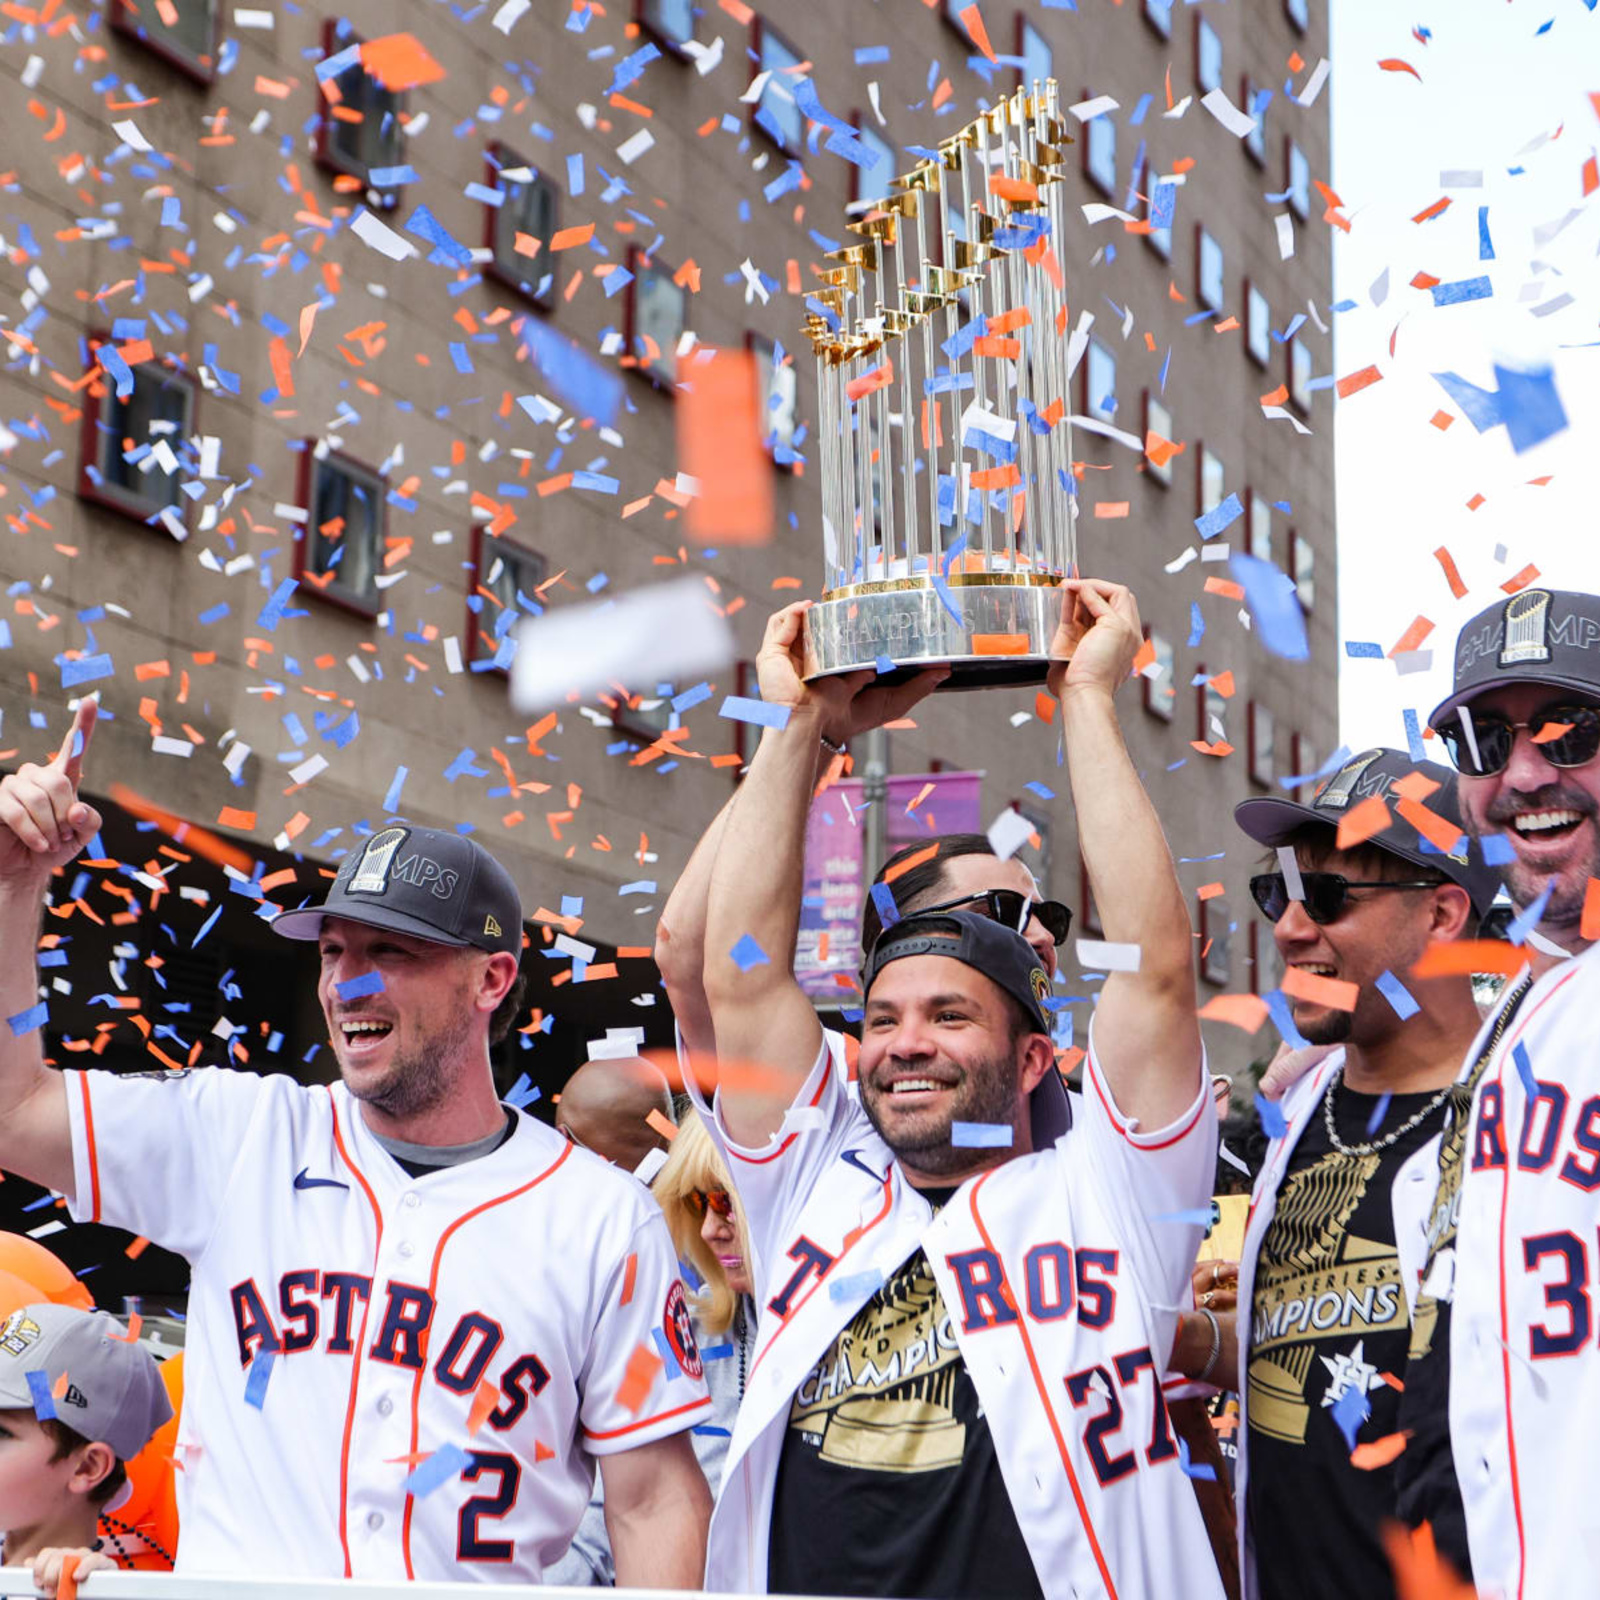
435 1470
981 1135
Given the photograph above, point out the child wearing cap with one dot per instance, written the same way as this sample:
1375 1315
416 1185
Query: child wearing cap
78 1399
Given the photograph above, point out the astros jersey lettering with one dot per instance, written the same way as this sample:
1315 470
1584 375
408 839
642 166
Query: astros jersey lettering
1525 1370
345 1319
1061 1272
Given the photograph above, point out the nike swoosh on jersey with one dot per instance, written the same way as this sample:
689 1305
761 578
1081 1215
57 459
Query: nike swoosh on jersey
301 1181
854 1158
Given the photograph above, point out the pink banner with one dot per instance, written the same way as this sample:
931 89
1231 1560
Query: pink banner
829 944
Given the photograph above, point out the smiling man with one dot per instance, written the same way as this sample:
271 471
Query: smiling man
966 1304
417 1317
1504 1380
1334 1247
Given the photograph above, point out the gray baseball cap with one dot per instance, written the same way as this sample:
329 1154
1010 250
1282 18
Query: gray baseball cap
113 1393
426 882
1536 636
1272 821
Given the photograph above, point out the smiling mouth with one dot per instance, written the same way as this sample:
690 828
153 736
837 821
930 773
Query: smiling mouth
368 1031
1542 825
915 1086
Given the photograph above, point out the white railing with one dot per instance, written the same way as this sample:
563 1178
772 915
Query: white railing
16 1583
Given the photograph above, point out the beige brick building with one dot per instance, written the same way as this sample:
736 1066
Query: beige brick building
206 332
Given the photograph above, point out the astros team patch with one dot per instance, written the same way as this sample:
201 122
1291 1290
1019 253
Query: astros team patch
679 1330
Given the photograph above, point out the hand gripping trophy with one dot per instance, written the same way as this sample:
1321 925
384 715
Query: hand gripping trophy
946 454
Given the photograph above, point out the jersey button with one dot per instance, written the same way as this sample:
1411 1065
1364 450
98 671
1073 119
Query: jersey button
407 1249
374 1520
412 1200
385 1406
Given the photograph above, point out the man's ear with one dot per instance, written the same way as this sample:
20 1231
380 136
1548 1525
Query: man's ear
1038 1058
1453 916
498 976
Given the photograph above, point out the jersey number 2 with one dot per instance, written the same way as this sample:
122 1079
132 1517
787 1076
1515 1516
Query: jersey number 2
470 1544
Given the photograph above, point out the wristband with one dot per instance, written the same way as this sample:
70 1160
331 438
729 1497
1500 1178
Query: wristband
1204 1375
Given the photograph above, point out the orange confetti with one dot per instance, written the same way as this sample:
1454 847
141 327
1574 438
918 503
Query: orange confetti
1589 927
1421 1573
1247 1011
1529 574
571 238
1395 64
1441 420
1226 587
870 382
232 817
630 1273
1439 832
1224 685
1378 1452
902 867
1451 576
1104 510
1429 213
637 1380
400 61
668 1130
999 644
484 1401
719 444
1334 993
1468 956
1355 382
1412 638
1362 821
972 20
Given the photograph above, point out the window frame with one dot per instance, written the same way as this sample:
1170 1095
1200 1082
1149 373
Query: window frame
1159 240
482 541
499 157
1202 236
1303 573
1162 707
1205 82
760 29
1254 142
1260 351
331 160
1203 457
113 497
1024 27
1299 14
638 265
1158 17
1153 404
1299 367
1304 755
334 593
1299 197
1261 729
753 341
196 68
1215 952
659 35
1254 502
1205 709
860 200
1091 405
1104 182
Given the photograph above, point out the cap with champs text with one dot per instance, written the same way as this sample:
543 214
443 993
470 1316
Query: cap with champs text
426 882
1272 821
110 1388
1005 958
1536 636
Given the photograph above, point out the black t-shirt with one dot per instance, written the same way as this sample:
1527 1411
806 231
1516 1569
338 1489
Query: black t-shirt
1330 1323
888 1483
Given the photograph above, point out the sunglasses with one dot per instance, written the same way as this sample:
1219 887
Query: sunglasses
1567 736
718 1200
1011 907
1327 894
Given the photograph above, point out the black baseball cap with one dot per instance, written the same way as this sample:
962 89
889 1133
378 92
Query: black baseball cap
426 882
1005 958
1536 636
1273 821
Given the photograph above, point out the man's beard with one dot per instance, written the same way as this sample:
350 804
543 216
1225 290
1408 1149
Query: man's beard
420 1080
987 1094
1333 1027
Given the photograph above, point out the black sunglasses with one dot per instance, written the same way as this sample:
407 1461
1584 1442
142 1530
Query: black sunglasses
1007 906
1327 894
1574 743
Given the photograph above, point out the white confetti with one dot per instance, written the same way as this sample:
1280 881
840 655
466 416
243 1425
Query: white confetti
1088 110
635 146
380 236
128 133
509 14
1105 956
1009 832
1314 83
1237 122
1285 226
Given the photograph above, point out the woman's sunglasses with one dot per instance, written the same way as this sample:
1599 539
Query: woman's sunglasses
1567 736
718 1200
1327 894
1008 906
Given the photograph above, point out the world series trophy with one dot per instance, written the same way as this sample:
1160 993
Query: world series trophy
945 451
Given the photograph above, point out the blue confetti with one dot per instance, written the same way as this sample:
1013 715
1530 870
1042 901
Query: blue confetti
1497 850
522 1093
27 1021
1203 1472
1527 919
1219 517
1414 744
447 1462
747 954
1199 1217
1381 1109
357 988
391 801
44 1405
1398 996
1363 650
1274 604
1485 243
1272 1123
884 903
855 1287
982 1136
1455 294
86 669
1197 624
255 1386
739 709
1350 1410
1530 1084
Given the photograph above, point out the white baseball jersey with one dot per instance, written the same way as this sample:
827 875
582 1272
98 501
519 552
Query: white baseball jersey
1410 1198
1062 1272
365 1312
1524 1368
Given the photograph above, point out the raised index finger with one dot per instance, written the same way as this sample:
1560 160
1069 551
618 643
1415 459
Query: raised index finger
69 758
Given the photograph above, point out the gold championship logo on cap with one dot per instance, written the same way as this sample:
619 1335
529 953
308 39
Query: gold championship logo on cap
1040 980
1527 624
1335 794
19 1334
372 875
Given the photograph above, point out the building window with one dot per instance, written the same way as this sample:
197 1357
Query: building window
1299 375
1216 963
1100 153
183 33
1100 382
520 228
1209 270
1157 204
1160 679
1158 13
1298 13
1258 530
1211 708
1157 420
359 128
671 22
1207 56
777 397
1298 181
1304 755
1263 768
869 183
132 440
777 113
339 554
1038 59
657 307
1213 479
1266 965
1303 558
505 581
1255 142
1257 325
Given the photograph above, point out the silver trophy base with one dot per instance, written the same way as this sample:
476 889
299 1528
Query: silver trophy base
1000 636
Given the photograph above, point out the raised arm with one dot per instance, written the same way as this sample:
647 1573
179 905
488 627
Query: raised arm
767 1032
1147 1037
43 825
